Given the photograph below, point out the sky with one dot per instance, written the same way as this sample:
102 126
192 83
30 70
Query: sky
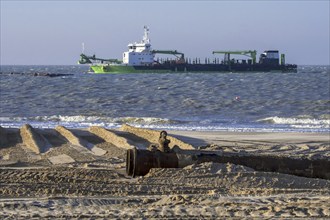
52 32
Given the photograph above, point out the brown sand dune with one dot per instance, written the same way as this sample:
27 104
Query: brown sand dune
54 173
153 136
34 140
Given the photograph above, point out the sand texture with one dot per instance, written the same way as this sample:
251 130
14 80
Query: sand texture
69 173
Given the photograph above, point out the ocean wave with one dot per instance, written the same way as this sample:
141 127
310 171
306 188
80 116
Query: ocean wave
298 122
82 121
146 120
270 124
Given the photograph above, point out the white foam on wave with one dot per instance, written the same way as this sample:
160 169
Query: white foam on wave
298 122
79 121
144 120
233 128
64 118
273 124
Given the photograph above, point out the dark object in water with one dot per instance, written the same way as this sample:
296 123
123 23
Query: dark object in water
139 162
35 74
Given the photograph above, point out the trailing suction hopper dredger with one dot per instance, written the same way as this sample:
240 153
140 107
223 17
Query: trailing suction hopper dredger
140 58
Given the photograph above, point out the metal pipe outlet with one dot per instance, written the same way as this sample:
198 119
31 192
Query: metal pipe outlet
139 162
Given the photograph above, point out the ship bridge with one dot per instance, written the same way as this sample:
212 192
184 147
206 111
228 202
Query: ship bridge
139 53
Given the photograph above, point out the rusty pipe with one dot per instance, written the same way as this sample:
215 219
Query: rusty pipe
139 162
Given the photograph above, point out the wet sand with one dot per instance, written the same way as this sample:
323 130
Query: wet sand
69 173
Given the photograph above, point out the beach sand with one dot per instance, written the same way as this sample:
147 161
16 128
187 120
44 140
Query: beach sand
80 173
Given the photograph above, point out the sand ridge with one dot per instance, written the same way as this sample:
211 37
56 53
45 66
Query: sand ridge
34 140
153 136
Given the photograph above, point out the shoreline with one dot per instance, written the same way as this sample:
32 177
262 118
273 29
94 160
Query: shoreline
199 129
223 137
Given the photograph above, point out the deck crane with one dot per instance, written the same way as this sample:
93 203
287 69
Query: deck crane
178 55
249 53
84 59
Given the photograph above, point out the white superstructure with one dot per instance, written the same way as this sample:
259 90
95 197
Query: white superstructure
139 54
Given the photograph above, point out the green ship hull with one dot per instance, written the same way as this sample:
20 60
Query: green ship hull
101 69
112 69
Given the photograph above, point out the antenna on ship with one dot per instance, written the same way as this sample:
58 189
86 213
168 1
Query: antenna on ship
146 34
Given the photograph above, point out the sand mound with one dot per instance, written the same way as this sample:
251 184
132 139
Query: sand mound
236 179
34 140
111 137
29 146
153 136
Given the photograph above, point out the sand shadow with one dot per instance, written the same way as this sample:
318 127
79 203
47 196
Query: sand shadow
12 136
53 137
195 142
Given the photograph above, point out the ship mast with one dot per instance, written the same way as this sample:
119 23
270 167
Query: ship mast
146 39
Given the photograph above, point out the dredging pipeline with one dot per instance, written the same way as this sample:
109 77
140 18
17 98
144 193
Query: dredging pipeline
139 162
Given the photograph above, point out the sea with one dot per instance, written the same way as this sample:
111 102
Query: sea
71 96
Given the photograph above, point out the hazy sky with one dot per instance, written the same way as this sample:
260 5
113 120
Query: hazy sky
52 32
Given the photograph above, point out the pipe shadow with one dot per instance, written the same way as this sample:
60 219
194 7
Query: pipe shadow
195 142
